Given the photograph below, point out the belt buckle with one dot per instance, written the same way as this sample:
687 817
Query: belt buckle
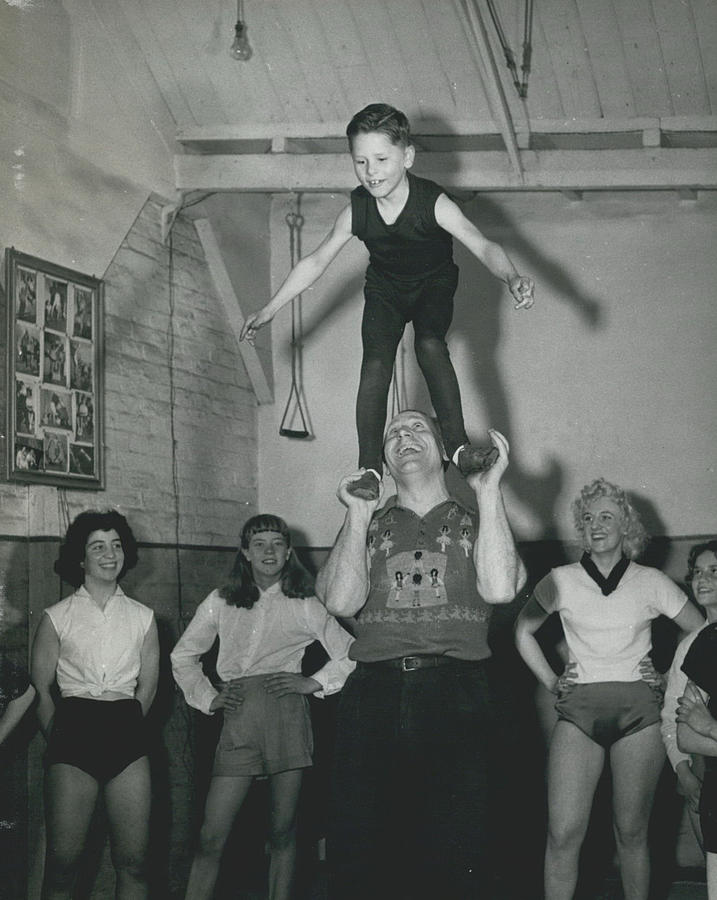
409 663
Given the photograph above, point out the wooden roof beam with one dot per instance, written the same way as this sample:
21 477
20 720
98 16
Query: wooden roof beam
470 14
658 168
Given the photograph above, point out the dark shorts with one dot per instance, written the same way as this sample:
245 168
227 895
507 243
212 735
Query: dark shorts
265 735
708 810
427 302
101 737
610 710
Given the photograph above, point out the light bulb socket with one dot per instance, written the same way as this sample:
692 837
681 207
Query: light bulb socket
241 48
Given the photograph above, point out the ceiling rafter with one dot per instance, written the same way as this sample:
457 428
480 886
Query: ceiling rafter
471 16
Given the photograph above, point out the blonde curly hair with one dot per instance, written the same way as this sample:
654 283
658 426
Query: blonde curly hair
635 537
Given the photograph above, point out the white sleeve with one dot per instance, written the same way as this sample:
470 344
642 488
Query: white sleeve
670 599
198 637
676 684
546 593
336 641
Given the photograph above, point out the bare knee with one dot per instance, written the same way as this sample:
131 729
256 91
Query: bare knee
211 842
631 835
131 864
282 837
61 870
565 838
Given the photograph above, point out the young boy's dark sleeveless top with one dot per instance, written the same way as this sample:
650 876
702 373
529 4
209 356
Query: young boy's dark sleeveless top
415 246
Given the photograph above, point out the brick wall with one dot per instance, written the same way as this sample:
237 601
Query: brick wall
173 377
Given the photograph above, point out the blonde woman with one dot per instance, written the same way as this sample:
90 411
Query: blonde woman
607 705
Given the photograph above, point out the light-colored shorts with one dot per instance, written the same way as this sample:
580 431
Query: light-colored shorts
265 735
610 710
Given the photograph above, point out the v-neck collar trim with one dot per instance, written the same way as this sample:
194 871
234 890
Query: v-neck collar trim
609 584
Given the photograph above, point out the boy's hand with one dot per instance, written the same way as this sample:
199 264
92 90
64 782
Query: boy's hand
252 324
522 288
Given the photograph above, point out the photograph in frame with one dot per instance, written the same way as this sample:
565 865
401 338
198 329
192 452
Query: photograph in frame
55 400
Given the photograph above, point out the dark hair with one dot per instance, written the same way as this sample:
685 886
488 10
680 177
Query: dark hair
69 563
696 551
241 589
382 118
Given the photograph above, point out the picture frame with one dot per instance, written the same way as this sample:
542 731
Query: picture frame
55 368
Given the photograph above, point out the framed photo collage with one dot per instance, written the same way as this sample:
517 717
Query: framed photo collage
55 367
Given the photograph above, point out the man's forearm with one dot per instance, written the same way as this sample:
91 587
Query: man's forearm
342 584
500 572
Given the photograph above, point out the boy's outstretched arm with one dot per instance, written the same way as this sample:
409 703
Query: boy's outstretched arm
492 255
303 275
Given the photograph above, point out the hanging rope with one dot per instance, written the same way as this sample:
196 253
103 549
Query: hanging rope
295 222
520 82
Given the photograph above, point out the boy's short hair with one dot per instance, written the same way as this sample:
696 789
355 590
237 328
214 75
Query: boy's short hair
382 118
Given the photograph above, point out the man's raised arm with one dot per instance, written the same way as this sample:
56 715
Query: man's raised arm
342 584
500 573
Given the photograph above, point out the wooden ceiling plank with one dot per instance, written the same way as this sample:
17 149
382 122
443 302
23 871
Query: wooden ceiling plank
639 169
564 32
704 14
543 98
246 88
493 84
607 58
157 61
457 64
101 86
136 70
420 56
683 61
643 58
209 36
273 34
315 51
378 42
170 37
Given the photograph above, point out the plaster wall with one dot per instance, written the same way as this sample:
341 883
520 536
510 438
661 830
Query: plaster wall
609 374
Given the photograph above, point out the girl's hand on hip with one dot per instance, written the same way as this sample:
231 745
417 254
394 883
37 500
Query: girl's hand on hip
230 696
283 683
568 679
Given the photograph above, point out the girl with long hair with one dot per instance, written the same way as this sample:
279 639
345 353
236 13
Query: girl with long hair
264 616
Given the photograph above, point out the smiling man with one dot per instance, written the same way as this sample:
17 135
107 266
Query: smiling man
412 766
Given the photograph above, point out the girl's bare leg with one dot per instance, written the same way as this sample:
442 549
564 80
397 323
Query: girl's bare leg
224 800
575 764
284 788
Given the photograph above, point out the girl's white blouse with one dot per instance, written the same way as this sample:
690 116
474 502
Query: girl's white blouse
270 637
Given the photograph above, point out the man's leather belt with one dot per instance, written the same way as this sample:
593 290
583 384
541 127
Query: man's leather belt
409 663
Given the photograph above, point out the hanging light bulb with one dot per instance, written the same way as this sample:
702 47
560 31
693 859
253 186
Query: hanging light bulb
241 48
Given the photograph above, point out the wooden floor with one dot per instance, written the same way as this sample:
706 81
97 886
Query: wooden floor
687 886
